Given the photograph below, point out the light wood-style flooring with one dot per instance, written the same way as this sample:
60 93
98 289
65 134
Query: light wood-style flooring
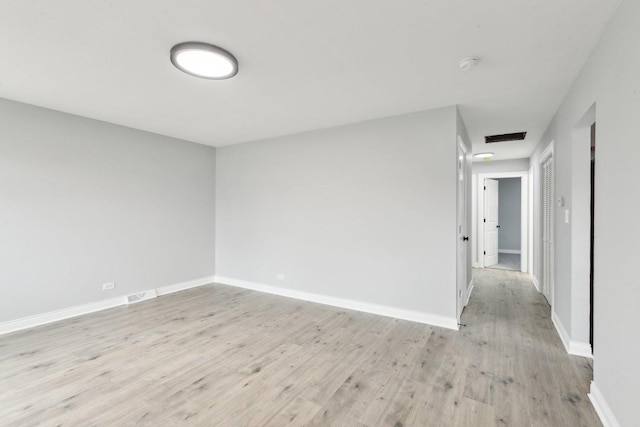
221 356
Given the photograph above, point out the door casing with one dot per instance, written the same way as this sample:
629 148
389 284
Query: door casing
462 246
491 225
549 292
525 216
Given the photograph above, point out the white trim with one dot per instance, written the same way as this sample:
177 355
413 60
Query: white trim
524 215
536 283
530 220
462 220
383 310
469 290
55 316
578 348
602 408
544 157
185 285
564 337
524 223
547 153
575 348
474 220
79 310
580 222
509 251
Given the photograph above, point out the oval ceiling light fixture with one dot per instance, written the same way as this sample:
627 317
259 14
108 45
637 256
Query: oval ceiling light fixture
483 156
204 60
469 63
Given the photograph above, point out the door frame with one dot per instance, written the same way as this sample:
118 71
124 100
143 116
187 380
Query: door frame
524 215
488 223
544 157
462 227
580 226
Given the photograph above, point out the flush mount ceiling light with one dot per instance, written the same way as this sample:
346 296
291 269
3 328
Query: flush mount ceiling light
469 63
204 60
483 155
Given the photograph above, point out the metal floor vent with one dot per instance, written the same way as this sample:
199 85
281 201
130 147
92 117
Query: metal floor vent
518 136
142 296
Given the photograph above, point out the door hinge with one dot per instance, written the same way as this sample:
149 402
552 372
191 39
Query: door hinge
485 252
485 220
485 187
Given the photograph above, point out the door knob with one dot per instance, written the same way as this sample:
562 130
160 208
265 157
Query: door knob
465 238
497 226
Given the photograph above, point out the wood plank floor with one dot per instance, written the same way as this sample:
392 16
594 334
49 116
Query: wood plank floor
218 355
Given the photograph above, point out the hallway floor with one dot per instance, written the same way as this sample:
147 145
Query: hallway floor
222 356
520 352
507 262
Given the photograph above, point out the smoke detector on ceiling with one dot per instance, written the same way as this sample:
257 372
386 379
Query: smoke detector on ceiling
469 63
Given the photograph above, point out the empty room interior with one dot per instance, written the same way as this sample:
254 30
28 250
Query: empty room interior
339 213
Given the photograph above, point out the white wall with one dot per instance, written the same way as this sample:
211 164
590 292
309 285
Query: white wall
515 165
84 202
610 81
510 220
363 212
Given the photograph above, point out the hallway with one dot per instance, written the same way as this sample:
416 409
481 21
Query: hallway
524 372
218 355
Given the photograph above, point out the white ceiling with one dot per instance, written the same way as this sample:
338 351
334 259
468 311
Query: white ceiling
303 64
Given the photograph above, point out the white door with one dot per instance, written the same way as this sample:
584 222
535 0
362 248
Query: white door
490 222
547 229
463 238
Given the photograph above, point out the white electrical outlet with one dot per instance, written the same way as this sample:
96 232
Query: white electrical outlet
108 286
280 277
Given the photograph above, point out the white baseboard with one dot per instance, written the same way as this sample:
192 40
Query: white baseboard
469 290
164 290
79 310
602 408
536 283
383 310
575 348
578 348
509 251
564 337
55 316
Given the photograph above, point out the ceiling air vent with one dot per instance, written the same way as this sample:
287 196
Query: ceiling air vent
518 136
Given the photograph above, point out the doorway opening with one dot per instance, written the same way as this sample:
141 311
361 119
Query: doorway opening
583 239
502 221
